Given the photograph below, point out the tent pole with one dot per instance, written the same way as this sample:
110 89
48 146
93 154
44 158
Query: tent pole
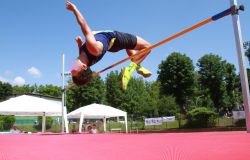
63 92
126 123
43 123
104 124
81 122
66 122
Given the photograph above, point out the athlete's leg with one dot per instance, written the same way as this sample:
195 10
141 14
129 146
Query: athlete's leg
135 64
141 44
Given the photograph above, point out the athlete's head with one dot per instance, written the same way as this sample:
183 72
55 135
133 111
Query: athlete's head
81 73
82 77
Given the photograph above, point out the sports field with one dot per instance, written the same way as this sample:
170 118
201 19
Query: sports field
164 146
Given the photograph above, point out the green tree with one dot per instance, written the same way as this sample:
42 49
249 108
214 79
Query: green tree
212 75
176 75
114 93
247 54
133 99
49 90
201 118
49 122
168 106
248 77
152 99
25 89
92 92
231 87
7 122
5 91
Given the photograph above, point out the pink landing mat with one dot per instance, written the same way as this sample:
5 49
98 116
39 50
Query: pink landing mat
161 146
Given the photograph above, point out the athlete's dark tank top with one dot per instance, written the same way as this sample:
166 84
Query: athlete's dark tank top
105 38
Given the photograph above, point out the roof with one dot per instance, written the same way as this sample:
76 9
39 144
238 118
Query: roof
30 106
96 111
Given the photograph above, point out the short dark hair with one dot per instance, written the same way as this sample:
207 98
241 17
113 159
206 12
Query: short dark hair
83 77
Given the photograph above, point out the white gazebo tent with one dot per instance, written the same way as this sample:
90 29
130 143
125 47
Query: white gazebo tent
97 111
26 105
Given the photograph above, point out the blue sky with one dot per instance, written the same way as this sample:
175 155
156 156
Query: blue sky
34 34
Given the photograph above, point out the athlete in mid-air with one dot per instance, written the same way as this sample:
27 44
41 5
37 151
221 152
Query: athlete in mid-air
97 43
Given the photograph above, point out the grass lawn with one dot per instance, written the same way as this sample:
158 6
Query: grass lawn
27 124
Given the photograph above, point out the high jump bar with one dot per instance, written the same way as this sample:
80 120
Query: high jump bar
230 11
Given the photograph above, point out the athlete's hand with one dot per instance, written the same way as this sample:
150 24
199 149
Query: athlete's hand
79 41
70 6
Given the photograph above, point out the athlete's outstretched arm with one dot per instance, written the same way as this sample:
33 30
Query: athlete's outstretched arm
90 39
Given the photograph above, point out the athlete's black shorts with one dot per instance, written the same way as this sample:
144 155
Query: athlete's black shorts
123 41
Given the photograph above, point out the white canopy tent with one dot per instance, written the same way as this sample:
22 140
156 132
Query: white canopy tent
26 105
97 111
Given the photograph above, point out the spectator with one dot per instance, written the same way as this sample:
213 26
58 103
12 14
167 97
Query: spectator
89 128
15 130
94 129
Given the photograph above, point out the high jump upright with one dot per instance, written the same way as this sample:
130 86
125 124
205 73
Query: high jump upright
243 73
64 119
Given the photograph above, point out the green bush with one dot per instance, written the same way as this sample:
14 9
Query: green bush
240 123
7 122
49 122
201 118
1 125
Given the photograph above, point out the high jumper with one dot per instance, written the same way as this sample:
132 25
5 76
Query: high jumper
98 43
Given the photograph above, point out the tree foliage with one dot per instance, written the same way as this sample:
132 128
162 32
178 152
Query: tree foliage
201 118
5 91
140 99
134 97
7 122
92 92
178 88
25 89
152 99
168 107
212 74
49 90
247 53
114 94
248 77
176 75
231 87
49 122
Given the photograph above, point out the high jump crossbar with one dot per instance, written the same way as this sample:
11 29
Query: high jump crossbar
230 11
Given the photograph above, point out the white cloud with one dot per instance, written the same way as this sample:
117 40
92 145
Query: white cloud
33 71
19 81
3 79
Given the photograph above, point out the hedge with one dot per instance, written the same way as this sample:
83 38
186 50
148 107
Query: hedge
6 122
201 118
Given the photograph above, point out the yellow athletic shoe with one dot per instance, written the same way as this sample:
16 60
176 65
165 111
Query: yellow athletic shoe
126 75
143 71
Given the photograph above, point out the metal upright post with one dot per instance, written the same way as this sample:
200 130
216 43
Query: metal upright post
243 73
63 92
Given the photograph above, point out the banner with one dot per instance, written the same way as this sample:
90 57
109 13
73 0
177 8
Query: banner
238 114
168 119
158 120
153 121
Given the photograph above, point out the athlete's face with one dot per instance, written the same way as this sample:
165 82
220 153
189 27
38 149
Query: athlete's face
78 67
